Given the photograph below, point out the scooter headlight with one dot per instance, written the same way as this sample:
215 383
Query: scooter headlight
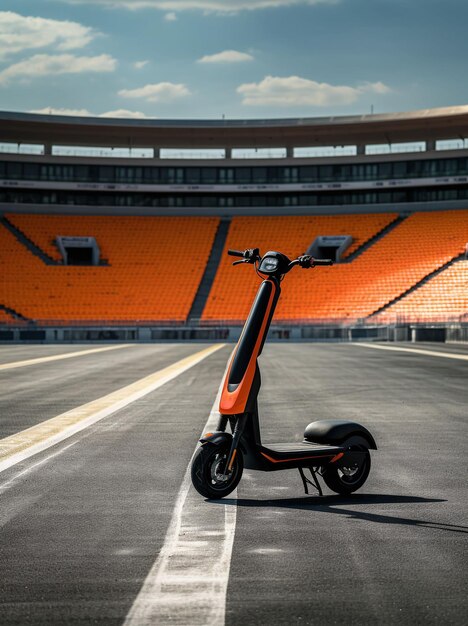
269 264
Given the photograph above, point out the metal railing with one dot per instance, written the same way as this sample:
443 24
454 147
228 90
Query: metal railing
380 320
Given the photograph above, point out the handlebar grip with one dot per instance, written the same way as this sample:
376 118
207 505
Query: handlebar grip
236 253
322 262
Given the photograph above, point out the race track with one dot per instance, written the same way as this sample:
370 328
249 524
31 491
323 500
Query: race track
91 526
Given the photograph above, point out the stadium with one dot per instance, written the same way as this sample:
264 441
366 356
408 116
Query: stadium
98 233
119 309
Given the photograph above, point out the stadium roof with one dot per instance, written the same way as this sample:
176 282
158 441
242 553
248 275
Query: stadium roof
423 125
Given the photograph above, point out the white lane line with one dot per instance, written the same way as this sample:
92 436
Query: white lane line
187 584
58 357
444 355
21 446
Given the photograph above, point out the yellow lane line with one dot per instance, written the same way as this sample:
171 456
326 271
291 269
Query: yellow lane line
22 445
58 357
444 355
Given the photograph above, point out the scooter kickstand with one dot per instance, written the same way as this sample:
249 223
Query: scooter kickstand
306 481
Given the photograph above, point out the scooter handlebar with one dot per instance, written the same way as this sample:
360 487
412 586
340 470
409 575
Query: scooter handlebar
250 255
306 261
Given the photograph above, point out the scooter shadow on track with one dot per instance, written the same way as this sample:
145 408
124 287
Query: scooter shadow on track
333 504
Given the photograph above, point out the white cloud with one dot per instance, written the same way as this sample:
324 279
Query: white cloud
378 87
53 111
19 32
171 17
48 64
140 64
122 113
297 91
227 56
215 6
136 115
158 92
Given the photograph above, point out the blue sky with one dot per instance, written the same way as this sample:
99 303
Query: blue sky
238 58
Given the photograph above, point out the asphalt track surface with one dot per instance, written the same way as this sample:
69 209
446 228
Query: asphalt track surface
83 522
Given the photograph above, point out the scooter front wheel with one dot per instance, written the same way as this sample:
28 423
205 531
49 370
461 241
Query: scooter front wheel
347 478
208 476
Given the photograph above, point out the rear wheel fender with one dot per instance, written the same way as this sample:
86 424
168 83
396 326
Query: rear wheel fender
357 442
337 432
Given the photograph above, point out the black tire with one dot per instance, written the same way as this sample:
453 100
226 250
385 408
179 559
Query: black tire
204 476
338 481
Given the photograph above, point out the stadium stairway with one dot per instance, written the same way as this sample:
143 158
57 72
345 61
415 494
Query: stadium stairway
23 239
206 282
370 242
10 315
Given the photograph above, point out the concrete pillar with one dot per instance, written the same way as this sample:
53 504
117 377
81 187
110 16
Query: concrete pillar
234 333
430 145
52 335
296 333
144 334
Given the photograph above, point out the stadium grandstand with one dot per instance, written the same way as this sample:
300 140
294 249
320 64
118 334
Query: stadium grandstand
118 229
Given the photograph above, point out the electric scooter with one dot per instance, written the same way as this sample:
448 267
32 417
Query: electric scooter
335 450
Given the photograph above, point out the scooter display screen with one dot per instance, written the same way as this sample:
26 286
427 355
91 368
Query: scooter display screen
269 265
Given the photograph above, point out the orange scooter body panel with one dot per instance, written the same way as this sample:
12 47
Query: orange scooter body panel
234 402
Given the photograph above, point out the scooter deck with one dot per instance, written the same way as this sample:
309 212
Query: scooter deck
289 452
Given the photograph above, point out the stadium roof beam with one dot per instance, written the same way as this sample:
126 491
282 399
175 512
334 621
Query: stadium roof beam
427 125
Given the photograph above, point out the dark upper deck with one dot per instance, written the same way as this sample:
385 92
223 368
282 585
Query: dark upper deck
424 125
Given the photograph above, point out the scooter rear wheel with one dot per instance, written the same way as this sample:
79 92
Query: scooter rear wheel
208 471
345 480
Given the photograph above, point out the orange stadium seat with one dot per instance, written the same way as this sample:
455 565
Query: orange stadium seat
142 283
442 298
155 267
233 290
347 291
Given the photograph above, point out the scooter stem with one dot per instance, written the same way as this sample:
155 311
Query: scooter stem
241 371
